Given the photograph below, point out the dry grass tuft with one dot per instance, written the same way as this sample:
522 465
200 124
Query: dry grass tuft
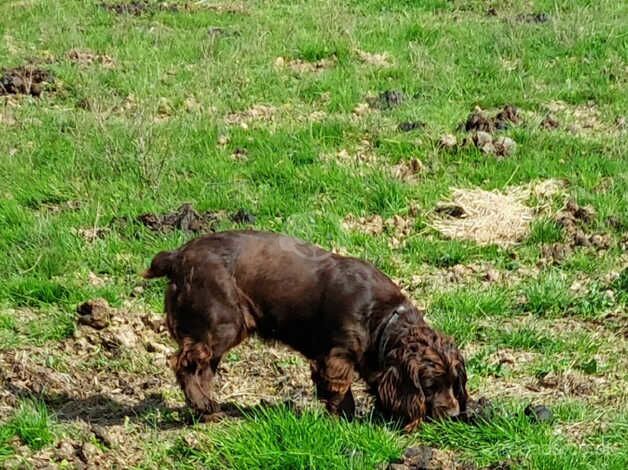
485 217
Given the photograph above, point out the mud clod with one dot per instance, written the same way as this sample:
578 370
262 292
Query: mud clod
448 142
387 99
242 217
479 120
24 80
95 313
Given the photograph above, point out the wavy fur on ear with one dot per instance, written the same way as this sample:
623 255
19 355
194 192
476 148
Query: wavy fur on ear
401 396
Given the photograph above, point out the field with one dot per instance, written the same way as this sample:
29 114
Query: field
475 151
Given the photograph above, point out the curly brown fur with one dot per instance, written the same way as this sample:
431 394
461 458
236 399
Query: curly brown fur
341 313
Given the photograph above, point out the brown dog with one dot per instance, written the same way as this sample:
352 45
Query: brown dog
341 313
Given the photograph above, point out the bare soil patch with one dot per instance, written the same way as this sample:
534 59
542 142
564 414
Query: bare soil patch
25 80
396 227
376 59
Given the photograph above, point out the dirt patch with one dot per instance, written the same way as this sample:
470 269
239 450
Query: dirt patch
581 119
396 227
257 113
486 217
575 221
376 59
408 171
481 120
362 156
304 66
186 218
145 7
386 99
91 234
87 58
25 80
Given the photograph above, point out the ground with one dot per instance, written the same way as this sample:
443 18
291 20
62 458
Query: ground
472 150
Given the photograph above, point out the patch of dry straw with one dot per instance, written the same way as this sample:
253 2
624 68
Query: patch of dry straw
487 217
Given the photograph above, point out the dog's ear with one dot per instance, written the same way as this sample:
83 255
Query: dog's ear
460 386
388 389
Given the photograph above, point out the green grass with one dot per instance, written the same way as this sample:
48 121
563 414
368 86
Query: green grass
31 423
151 133
276 438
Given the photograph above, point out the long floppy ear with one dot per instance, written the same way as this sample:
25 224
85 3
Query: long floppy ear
388 390
460 386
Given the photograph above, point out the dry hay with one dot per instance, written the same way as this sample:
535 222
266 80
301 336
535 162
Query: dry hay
485 217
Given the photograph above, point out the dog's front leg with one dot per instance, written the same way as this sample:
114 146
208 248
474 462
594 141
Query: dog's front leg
194 368
333 376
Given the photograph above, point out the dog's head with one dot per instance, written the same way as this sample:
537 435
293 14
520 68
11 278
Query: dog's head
424 376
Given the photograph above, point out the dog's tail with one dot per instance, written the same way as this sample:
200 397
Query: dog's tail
163 264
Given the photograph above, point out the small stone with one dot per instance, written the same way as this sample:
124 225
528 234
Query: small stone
223 140
126 338
538 413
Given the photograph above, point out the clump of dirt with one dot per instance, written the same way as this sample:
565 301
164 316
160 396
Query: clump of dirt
304 66
386 99
575 219
185 218
94 313
426 458
397 227
188 219
408 171
25 80
480 120
86 58
486 217
256 113
500 147
242 217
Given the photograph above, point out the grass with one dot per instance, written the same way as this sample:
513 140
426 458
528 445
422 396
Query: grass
153 131
31 423
276 438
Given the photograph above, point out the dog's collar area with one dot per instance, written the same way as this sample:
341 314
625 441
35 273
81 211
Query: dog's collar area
385 334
